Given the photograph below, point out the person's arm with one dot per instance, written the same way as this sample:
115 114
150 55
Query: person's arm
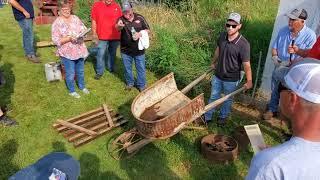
57 38
295 50
247 70
16 5
215 58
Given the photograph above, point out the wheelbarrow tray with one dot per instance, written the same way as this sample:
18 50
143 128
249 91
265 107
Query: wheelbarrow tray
162 110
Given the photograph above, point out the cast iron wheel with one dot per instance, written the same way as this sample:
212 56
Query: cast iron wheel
118 147
219 148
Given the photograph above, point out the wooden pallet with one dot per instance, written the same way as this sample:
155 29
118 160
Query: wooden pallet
88 126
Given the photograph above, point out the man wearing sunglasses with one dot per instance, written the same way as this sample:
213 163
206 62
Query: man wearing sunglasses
232 52
295 34
298 158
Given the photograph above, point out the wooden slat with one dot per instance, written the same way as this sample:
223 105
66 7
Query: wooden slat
94 128
88 125
106 111
82 121
73 119
136 146
90 138
76 127
50 43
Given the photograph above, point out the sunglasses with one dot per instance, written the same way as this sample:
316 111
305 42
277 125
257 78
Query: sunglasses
231 25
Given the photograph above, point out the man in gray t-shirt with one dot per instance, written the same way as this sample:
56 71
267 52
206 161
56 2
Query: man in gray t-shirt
298 158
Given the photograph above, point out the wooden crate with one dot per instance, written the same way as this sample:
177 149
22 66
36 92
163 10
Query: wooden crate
88 126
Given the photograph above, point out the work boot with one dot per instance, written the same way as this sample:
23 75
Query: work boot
33 58
269 115
128 88
6 121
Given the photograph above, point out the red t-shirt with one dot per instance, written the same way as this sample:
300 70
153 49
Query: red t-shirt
315 50
106 17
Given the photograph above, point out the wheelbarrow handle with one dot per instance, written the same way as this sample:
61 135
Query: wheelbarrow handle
223 99
196 81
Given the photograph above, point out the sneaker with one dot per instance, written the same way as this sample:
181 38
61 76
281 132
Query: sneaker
269 115
6 121
97 76
75 95
33 58
85 91
128 88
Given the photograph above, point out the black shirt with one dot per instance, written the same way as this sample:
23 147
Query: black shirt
231 56
27 5
127 44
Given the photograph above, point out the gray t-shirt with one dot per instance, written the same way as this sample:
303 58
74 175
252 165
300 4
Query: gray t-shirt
294 159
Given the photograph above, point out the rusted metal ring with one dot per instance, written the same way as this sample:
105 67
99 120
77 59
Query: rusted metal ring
219 148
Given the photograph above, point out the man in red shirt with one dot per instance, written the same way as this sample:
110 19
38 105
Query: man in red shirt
104 15
314 52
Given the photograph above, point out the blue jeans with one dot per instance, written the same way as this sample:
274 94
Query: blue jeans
27 30
140 64
106 52
277 77
73 67
217 87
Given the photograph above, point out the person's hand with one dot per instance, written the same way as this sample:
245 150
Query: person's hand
95 39
293 49
213 66
248 84
276 60
264 147
26 14
136 36
120 24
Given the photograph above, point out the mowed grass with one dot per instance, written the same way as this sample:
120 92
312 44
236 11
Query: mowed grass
37 104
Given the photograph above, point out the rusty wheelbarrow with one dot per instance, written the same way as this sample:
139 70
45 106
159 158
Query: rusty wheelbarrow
161 111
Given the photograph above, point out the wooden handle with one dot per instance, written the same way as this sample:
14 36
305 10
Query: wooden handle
221 100
195 82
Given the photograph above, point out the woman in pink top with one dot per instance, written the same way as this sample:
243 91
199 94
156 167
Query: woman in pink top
71 48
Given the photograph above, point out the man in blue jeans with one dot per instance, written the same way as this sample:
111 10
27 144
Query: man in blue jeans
295 33
104 15
23 12
232 51
131 25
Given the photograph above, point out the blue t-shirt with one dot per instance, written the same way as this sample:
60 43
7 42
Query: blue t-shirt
292 160
305 40
27 5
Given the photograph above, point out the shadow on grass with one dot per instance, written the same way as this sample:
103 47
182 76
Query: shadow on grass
7 152
149 163
8 89
90 168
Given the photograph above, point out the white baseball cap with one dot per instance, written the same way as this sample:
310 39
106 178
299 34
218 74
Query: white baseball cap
303 78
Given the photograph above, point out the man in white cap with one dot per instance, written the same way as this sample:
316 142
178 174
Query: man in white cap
298 158
296 33
232 52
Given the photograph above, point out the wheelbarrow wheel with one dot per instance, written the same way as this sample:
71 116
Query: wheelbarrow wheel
118 147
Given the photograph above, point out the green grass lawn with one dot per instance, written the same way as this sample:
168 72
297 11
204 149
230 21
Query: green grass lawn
36 104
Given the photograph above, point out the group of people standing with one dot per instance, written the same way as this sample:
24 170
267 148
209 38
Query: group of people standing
111 26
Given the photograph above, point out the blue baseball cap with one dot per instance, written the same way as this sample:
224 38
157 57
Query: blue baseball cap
43 168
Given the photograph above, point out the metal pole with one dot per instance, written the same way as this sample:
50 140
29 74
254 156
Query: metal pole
257 75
